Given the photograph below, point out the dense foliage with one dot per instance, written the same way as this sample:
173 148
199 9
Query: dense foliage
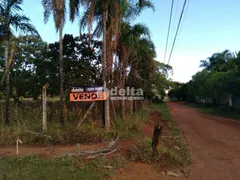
219 79
36 64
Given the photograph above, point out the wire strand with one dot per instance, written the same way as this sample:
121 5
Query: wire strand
179 23
184 17
169 27
175 14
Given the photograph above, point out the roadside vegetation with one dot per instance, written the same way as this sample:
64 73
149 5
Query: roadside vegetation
35 167
117 51
112 48
214 89
222 111
173 149
111 51
27 117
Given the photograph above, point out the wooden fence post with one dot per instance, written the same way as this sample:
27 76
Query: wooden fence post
78 149
44 105
156 137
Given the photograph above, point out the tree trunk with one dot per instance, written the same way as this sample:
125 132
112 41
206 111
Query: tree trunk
123 109
122 65
105 77
230 100
123 102
61 76
131 106
134 105
7 86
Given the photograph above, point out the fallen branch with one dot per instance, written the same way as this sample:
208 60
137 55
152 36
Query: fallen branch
111 148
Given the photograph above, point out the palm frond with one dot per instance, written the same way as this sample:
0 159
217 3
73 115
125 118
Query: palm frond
98 30
141 29
74 9
130 9
83 22
47 6
22 23
59 10
14 5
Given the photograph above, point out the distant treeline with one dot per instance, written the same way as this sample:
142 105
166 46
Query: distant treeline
218 82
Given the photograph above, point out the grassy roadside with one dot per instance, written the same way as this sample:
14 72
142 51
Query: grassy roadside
173 149
132 125
226 112
35 167
172 152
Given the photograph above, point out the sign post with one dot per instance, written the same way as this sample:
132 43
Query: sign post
81 94
87 94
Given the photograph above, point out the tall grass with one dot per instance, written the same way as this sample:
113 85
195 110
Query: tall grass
27 116
132 125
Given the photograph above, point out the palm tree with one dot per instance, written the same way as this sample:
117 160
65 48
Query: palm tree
58 9
10 20
128 45
101 8
142 68
108 14
117 12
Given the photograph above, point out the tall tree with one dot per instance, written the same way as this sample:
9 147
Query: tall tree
58 9
128 54
102 9
81 63
108 14
24 80
11 19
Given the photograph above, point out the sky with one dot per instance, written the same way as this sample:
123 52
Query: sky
209 26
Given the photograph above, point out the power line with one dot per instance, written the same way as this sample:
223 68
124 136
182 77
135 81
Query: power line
179 23
175 14
184 17
169 26
183 20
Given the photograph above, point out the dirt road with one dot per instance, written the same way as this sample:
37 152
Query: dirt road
214 143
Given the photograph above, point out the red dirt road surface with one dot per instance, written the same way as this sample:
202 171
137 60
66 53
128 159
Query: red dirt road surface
214 143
